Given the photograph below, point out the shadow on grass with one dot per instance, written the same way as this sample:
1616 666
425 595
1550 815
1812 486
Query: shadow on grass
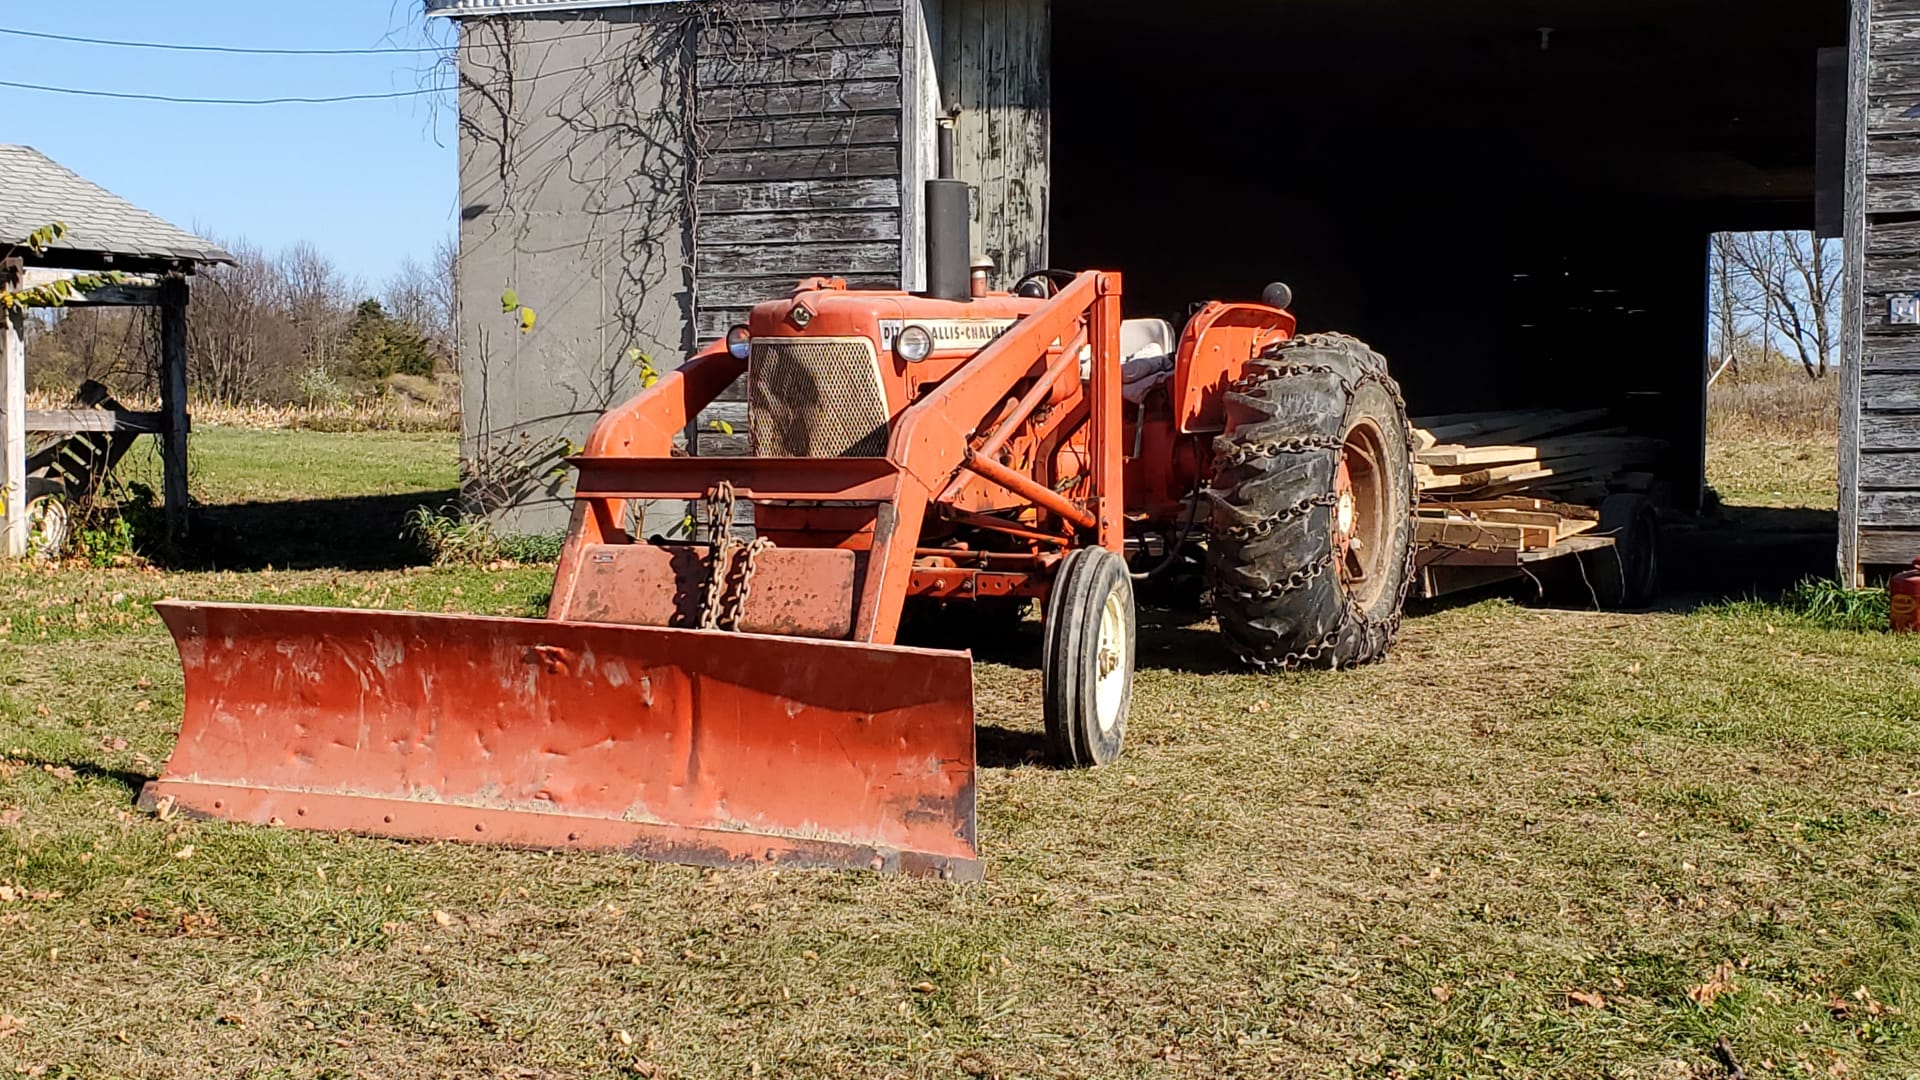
366 532
91 770
1005 748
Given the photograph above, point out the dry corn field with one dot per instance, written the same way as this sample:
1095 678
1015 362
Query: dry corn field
1532 843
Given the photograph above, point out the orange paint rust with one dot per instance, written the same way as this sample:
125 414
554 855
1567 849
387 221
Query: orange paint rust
672 740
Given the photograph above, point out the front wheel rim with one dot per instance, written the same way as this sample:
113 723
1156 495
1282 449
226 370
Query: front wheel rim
1110 664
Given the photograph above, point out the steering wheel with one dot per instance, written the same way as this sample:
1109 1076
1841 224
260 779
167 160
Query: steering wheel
1041 284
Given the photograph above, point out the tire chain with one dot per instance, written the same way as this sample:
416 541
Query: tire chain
1262 528
1295 581
1235 455
1266 372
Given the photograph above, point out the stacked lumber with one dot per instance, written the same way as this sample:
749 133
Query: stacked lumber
1510 524
1552 454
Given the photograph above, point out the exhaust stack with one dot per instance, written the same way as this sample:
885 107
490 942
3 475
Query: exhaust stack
948 264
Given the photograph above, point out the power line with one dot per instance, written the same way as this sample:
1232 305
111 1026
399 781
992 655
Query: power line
422 92
414 51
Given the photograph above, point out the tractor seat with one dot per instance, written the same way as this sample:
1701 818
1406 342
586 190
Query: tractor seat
1146 350
1139 337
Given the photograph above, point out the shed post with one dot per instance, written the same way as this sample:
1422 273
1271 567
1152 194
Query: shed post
13 417
1853 353
173 403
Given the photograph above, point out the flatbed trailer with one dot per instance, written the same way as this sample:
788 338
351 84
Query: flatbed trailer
1611 559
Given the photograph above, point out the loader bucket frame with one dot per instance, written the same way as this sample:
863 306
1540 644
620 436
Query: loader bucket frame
801 735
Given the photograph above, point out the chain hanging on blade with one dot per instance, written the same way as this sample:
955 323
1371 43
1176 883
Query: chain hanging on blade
734 563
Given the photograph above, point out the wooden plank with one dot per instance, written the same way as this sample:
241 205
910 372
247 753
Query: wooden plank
1888 547
1552 424
1891 198
879 129
1894 114
1889 349
1540 518
804 164
1563 510
1894 238
1468 533
1890 470
1892 157
1896 39
1894 75
13 433
865 62
796 260
1469 425
70 421
712 324
1890 390
811 227
719 103
1892 273
1887 431
1452 457
134 291
746 292
173 402
1890 508
739 39
765 197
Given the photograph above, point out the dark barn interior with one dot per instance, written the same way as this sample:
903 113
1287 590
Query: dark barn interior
1512 201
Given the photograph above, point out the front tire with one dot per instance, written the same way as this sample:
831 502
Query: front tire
1311 543
1087 659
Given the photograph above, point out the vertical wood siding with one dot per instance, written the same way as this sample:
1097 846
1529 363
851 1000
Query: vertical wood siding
995 69
1880 400
797 122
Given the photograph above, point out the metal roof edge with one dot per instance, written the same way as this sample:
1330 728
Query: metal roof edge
458 8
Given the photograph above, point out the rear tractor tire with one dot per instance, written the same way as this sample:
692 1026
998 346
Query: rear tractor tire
1310 550
1086 659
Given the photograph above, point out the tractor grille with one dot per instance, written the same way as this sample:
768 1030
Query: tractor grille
817 397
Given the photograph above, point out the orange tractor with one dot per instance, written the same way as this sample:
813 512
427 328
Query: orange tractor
738 696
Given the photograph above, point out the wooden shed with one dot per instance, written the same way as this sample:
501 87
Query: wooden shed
1512 201
108 252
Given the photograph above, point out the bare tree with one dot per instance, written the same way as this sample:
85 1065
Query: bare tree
319 300
1790 283
423 296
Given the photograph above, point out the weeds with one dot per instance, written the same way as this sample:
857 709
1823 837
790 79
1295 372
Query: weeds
117 533
1832 606
453 537
1776 401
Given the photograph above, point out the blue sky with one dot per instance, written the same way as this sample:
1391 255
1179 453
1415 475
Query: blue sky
369 183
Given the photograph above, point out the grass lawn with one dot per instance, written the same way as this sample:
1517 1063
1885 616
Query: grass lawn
1532 842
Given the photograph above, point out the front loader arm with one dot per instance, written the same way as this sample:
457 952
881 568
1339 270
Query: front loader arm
644 426
933 441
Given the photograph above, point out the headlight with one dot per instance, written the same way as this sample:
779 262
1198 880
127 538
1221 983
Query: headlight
740 342
913 345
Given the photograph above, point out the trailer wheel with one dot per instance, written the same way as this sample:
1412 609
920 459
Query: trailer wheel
1311 539
1087 658
1627 575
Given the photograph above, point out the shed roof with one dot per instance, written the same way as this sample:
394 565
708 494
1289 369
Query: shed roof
36 191
510 7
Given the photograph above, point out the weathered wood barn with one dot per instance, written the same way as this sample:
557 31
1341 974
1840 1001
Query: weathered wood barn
1511 198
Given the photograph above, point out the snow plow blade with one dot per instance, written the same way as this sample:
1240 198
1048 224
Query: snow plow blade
678 745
